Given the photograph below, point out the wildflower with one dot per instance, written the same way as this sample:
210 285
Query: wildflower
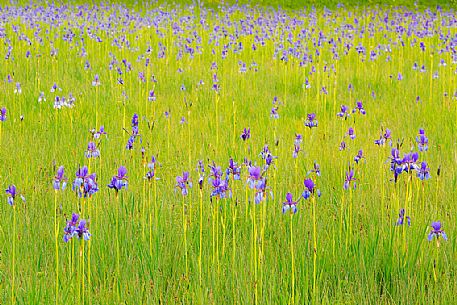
130 142
3 114
12 193
246 134
220 188
310 189
92 151
234 169
316 169
183 182
274 112
422 141
348 179
436 231
384 137
311 120
254 176
152 96
289 204
261 190
60 180
351 133
401 218
359 156
298 139
342 145
423 173
359 108
96 81
18 89
73 228
119 181
99 133
151 166
84 184
201 170
297 149
344 112
41 98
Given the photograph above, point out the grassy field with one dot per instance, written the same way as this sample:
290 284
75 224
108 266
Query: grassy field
176 85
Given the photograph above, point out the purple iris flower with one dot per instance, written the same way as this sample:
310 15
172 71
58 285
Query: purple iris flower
387 135
359 108
3 114
73 228
316 169
348 179
96 81
85 184
289 204
60 180
220 188
359 156
234 169
151 166
255 176
423 173
152 96
401 218
261 190
246 134
422 141
344 112
274 112
70 228
201 171
351 133
342 145
130 142
99 133
92 151
311 120
436 231
120 180
11 191
135 120
298 139
409 162
310 189
183 182
297 149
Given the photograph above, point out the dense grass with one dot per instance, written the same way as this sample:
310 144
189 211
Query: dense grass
346 247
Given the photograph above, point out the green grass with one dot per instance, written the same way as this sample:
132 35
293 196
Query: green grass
137 249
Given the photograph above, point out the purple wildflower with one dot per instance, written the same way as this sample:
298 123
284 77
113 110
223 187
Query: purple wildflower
85 184
401 218
348 179
289 204
423 173
344 112
311 120
246 134
310 189
359 108
60 180
422 141
359 156
3 114
120 180
183 183
436 231
92 151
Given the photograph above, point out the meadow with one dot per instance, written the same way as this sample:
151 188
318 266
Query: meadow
228 154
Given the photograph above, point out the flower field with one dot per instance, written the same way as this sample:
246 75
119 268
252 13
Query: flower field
228 154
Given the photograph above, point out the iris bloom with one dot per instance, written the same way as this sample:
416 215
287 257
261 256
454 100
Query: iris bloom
359 108
311 120
60 180
246 134
120 180
73 228
436 231
84 184
3 114
401 218
310 189
359 156
348 179
183 182
423 173
422 141
92 151
289 204
344 112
